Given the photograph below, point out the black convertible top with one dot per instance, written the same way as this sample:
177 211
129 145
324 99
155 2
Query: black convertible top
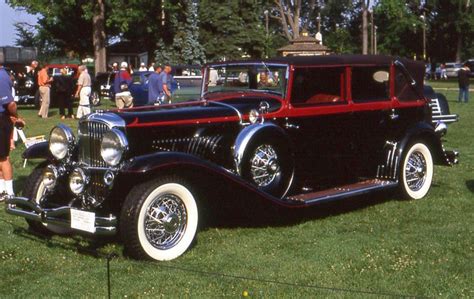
347 59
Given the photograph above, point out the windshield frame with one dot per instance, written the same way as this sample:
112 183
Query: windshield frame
267 65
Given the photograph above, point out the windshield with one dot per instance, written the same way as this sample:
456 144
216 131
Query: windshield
247 77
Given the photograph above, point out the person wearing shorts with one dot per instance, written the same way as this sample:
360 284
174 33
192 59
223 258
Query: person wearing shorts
8 116
83 92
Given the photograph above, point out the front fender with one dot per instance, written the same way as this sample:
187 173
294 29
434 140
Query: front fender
250 133
216 179
38 151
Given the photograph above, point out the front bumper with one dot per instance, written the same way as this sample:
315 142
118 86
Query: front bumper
20 206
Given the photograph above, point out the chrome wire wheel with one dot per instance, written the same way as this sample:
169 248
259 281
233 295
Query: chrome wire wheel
264 165
165 221
160 219
417 171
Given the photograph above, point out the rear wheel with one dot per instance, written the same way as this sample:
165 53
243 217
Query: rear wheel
159 219
416 171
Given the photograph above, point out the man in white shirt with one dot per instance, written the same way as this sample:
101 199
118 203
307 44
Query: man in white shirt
83 91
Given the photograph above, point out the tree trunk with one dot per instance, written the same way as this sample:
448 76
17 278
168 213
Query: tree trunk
365 35
459 48
98 37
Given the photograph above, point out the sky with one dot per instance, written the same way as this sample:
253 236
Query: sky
8 17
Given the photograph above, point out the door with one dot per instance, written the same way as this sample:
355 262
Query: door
373 115
319 122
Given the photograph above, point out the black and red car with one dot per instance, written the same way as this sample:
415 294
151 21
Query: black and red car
285 133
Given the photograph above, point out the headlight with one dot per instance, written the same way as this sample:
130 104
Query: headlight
253 116
114 145
78 181
50 177
61 140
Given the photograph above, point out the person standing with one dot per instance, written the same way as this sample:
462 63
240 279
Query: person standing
443 72
154 87
83 92
152 67
123 97
463 80
64 89
44 82
8 117
166 83
142 67
32 73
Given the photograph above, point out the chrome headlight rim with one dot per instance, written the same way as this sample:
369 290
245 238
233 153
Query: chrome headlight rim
50 177
69 145
112 138
75 174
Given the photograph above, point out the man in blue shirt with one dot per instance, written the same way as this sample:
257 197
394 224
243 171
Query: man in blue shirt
155 95
166 83
8 116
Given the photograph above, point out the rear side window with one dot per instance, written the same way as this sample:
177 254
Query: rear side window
318 86
403 89
370 84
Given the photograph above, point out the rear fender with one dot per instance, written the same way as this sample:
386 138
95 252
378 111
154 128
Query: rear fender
424 132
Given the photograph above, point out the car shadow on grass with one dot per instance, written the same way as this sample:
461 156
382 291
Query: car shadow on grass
93 247
470 185
281 217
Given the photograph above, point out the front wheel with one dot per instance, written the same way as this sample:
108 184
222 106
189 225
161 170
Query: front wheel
416 171
159 219
35 190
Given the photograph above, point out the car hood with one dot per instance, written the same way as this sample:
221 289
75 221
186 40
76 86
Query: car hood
208 110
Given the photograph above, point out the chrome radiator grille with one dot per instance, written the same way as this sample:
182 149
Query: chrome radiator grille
90 137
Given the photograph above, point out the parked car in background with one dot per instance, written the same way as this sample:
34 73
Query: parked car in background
265 136
103 85
452 69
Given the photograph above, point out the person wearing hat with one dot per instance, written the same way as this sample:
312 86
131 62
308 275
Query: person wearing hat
123 97
142 67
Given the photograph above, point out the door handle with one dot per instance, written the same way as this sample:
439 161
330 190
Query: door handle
393 115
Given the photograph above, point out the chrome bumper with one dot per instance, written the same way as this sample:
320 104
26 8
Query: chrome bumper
20 206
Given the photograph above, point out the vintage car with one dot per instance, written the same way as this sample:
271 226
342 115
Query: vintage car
279 134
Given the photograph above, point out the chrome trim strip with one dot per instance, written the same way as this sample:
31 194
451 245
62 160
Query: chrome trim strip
112 120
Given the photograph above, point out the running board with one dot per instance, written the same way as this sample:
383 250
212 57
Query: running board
343 191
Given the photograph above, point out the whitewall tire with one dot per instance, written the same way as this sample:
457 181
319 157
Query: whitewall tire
416 171
160 221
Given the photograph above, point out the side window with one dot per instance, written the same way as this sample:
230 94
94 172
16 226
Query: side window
403 89
370 84
318 86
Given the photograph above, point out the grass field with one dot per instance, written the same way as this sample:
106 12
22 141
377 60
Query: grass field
370 246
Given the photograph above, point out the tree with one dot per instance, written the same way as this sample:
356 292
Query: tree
184 46
232 29
293 15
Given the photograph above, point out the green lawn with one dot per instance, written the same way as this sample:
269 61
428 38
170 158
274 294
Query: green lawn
377 243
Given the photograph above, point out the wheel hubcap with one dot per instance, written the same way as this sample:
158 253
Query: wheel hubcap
415 171
264 165
165 221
